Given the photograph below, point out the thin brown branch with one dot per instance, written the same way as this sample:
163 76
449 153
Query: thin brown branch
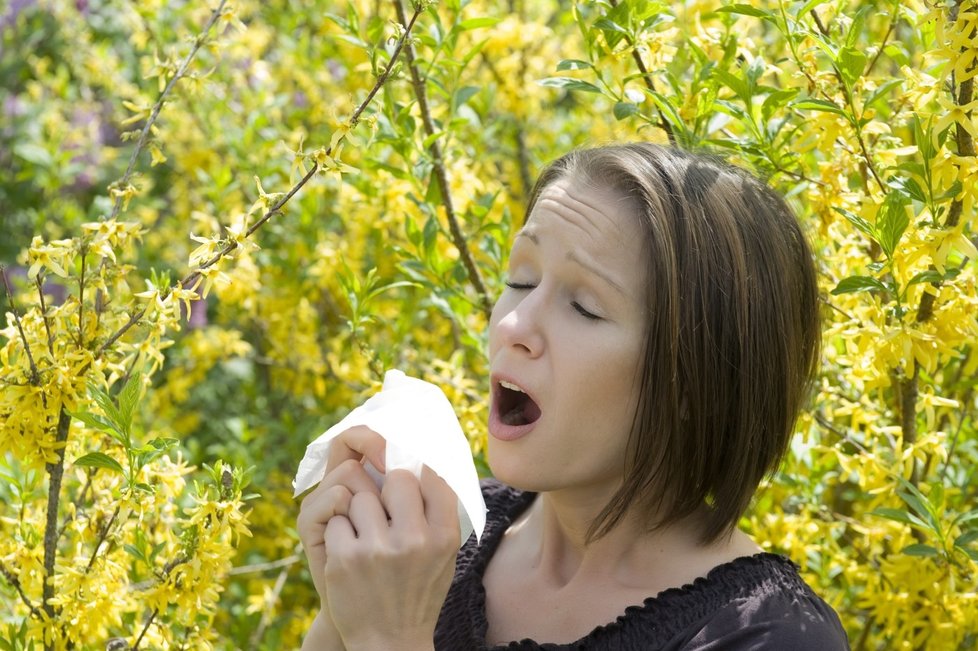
254 641
441 174
847 93
44 312
149 622
650 84
265 567
55 475
35 375
103 534
81 300
155 113
273 210
15 582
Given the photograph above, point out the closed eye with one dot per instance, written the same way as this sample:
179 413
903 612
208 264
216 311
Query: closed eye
519 286
583 312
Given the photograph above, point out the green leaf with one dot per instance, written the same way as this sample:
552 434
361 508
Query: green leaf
851 63
929 276
99 460
899 515
569 83
812 104
476 23
966 538
625 109
880 92
892 221
857 221
920 549
33 153
105 402
129 398
574 64
747 10
857 284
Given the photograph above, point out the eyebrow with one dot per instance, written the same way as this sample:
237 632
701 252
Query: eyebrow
573 257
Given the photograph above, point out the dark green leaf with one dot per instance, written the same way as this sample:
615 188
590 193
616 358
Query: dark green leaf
858 222
99 460
857 284
929 276
129 398
625 109
920 549
898 515
966 538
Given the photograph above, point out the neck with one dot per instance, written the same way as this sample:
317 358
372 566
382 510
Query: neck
560 521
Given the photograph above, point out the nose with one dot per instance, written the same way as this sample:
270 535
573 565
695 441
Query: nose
518 323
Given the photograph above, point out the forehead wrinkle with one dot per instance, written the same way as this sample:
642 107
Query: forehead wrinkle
597 271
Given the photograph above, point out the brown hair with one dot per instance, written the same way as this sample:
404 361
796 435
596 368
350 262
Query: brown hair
732 338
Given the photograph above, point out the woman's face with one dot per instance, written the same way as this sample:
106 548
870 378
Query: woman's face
565 341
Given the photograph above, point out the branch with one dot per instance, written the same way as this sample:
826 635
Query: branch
852 106
56 474
650 84
441 175
149 622
259 633
966 148
15 582
276 208
155 113
44 312
35 376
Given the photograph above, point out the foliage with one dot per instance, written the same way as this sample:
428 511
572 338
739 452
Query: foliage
220 226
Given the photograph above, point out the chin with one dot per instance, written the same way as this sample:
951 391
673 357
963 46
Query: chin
519 471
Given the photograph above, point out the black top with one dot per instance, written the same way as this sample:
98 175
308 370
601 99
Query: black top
753 602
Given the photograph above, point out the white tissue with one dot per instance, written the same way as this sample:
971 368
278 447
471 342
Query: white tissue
420 428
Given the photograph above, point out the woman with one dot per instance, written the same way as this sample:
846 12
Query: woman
649 356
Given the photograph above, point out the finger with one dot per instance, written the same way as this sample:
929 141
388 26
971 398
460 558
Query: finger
440 501
368 517
357 443
402 499
319 508
352 474
338 538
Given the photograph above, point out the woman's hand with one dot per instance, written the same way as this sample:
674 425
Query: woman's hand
345 476
390 561
387 556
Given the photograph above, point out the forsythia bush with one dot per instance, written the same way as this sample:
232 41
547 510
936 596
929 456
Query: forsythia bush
220 222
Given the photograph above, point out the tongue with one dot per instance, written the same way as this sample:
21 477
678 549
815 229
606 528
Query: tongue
523 412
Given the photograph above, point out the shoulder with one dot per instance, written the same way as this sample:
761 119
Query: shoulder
766 605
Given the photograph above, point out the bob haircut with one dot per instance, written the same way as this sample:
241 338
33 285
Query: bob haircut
732 334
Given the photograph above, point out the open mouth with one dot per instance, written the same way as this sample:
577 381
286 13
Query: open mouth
515 406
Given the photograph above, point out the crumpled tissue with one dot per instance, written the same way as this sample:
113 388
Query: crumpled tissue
420 427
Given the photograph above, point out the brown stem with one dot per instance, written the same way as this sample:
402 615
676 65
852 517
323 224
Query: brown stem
847 93
276 208
44 312
441 175
15 582
81 300
254 641
149 622
35 375
155 113
925 310
650 84
103 534
55 475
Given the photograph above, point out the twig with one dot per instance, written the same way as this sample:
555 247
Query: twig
81 299
44 312
155 113
264 567
847 93
149 622
103 534
441 175
255 640
925 310
15 582
35 375
650 84
55 475
275 209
